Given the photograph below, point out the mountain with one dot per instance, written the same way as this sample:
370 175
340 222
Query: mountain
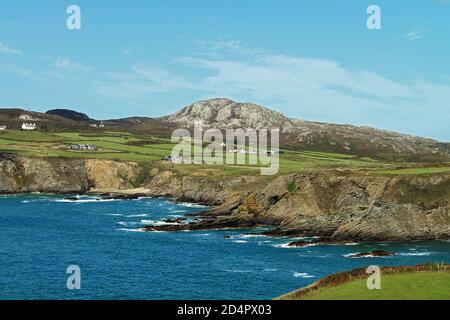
69 114
227 114
306 135
223 114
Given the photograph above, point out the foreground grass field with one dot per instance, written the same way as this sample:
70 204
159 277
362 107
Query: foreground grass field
409 286
429 281
143 148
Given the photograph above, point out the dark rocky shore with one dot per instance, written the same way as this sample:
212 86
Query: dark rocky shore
337 206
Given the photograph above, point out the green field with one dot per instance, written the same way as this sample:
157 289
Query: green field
144 148
404 286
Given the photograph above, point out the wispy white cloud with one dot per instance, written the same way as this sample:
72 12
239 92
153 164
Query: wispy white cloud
18 70
141 79
130 49
4 48
416 34
314 89
62 67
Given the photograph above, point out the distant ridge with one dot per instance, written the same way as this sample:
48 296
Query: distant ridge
69 114
223 114
306 135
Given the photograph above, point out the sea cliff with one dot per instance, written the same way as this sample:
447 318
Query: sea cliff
335 205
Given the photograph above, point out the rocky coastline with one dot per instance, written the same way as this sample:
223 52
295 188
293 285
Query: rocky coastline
336 206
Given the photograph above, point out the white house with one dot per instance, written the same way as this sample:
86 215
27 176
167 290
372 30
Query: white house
2 128
28 126
82 147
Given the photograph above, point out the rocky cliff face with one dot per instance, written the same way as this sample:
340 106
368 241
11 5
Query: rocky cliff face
337 206
19 174
347 207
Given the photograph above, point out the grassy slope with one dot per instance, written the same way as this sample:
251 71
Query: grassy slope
408 286
144 148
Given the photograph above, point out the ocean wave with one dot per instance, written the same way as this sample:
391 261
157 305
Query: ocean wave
115 214
177 211
302 275
238 270
131 230
84 200
353 255
283 245
191 205
137 215
246 236
413 254
304 238
287 246
158 222
239 241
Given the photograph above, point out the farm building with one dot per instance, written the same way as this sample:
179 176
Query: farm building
28 126
82 147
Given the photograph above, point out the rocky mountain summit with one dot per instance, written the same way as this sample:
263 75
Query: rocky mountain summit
227 114
306 135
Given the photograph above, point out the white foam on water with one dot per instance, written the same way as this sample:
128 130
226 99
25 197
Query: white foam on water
247 236
115 214
131 230
353 256
177 211
239 241
305 238
413 254
238 270
137 215
283 245
191 205
302 275
85 200
287 246
158 222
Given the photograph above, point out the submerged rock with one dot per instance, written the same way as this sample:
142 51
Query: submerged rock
72 199
303 243
175 220
375 253
113 196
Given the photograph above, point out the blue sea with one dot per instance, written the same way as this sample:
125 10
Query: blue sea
41 235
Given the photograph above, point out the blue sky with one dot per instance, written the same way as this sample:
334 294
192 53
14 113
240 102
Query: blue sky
313 60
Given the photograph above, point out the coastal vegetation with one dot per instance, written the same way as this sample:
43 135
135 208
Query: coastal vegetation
143 148
423 282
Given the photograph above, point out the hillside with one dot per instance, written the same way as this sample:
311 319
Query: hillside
69 114
305 135
295 135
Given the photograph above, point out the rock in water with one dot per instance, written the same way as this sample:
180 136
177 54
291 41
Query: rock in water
375 253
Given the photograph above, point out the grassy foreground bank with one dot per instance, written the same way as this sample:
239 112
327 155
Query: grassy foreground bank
423 282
